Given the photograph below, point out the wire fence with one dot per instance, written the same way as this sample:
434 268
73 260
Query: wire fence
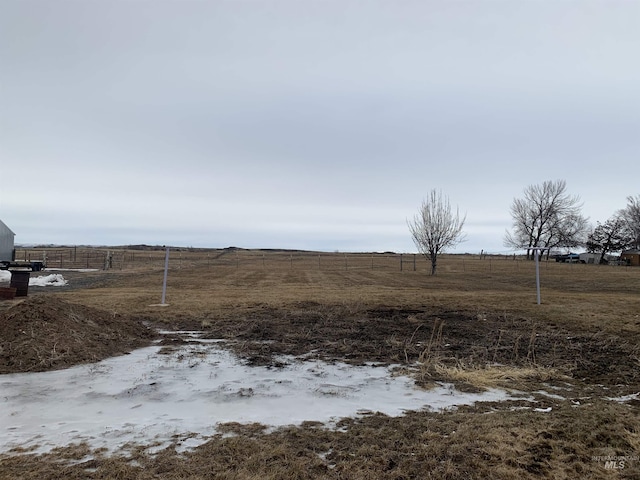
103 258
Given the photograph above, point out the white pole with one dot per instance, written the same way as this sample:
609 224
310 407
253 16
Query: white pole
537 254
164 282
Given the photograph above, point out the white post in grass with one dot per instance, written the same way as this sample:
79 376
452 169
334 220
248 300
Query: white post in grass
164 282
537 251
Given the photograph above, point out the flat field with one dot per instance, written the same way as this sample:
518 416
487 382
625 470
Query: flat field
574 360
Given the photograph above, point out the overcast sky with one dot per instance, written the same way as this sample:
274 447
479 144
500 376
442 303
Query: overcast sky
308 124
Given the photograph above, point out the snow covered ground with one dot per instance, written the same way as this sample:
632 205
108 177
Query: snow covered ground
51 280
150 395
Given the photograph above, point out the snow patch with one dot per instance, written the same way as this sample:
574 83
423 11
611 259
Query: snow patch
625 398
152 394
52 280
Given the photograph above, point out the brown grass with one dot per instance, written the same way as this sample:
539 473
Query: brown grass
476 323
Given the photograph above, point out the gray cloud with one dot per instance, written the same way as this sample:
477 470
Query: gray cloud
308 124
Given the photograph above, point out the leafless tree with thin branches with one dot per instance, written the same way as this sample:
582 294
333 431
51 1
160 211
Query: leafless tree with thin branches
610 236
631 216
547 217
436 228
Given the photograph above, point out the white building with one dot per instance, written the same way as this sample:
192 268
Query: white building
595 258
6 243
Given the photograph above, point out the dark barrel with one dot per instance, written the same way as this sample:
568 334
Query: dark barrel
20 281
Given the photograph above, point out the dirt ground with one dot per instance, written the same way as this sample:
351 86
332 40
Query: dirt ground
476 329
41 333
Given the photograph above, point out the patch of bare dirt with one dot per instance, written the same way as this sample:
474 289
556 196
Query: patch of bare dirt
45 333
406 336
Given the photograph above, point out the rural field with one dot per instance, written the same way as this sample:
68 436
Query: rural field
568 369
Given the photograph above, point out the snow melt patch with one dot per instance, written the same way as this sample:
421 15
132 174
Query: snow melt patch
625 398
52 280
149 396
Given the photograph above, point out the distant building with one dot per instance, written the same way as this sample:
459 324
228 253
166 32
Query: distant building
7 252
595 258
631 257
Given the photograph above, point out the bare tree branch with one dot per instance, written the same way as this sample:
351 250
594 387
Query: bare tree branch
611 236
436 228
631 217
546 217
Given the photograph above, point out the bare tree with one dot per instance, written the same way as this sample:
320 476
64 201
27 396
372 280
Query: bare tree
436 228
610 236
631 216
546 217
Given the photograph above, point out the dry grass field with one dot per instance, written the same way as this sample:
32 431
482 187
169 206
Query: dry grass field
475 324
